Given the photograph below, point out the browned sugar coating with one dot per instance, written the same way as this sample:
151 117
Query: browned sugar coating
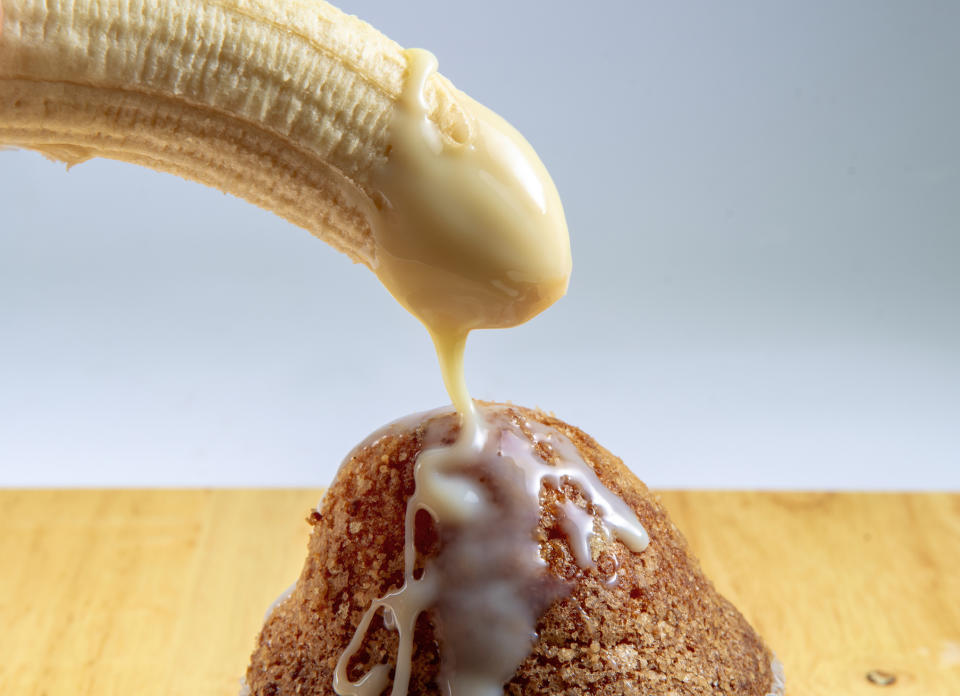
660 628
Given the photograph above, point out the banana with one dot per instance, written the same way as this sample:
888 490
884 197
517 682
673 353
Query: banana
314 115
286 105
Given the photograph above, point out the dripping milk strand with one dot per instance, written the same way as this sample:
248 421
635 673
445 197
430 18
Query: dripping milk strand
469 235
472 235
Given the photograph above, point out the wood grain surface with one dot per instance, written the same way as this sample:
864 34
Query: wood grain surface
162 592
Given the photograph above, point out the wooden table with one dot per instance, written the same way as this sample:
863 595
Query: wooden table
162 592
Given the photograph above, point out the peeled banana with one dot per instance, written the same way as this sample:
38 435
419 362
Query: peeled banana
285 104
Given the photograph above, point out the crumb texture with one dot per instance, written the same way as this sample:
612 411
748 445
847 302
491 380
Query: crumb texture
646 624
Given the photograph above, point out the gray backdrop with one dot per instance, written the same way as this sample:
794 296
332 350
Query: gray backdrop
763 200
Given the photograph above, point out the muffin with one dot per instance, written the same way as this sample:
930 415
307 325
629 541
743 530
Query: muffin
610 614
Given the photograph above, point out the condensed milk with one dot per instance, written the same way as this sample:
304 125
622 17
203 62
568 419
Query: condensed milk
472 235
469 235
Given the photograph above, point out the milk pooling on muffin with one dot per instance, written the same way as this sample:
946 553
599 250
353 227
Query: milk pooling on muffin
489 584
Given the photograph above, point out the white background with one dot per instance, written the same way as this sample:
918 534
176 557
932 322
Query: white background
764 205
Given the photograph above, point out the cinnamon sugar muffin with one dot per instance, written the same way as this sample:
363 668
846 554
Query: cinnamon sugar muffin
611 621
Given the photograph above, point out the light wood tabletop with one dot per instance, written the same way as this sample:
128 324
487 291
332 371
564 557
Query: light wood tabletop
125 592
